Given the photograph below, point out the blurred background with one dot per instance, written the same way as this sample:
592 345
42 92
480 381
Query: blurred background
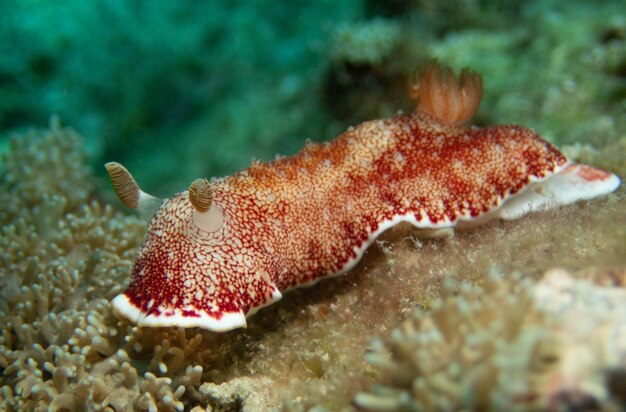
177 90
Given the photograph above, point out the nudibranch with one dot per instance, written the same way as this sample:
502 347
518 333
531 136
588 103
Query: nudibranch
225 248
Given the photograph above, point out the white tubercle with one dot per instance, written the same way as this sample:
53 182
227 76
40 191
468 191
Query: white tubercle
209 221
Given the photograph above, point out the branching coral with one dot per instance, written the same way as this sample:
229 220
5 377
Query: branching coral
41 164
510 344
62 258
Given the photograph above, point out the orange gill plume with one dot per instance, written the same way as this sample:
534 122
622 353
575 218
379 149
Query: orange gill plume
445 96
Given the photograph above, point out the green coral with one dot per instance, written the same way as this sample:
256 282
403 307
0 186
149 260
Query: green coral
564 82
366 43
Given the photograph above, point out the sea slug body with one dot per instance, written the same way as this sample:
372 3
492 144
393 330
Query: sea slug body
224 249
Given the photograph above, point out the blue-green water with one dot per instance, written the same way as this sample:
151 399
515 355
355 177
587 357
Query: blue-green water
178 90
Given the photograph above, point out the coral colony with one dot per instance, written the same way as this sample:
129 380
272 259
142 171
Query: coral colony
464 353
224 249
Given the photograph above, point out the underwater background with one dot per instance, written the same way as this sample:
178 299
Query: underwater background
178 90
181 90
